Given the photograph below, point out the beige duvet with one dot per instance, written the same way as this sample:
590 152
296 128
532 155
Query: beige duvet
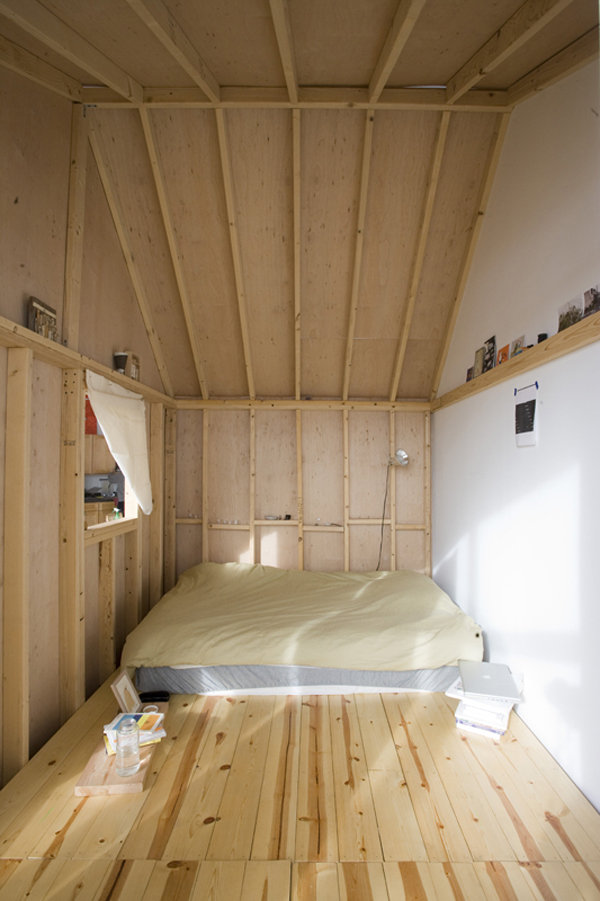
235 613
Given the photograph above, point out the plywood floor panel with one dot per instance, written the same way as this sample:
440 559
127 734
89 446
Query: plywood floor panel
341 798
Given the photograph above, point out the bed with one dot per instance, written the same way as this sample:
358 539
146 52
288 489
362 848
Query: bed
250 628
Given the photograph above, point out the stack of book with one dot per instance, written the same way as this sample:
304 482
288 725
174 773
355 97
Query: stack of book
149 724
487 692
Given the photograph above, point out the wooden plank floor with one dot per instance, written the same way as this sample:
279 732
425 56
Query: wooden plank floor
345 798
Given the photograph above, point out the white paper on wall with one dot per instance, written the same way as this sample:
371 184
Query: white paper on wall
526 415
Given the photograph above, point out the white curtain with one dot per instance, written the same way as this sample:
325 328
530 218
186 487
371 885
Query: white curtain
122 418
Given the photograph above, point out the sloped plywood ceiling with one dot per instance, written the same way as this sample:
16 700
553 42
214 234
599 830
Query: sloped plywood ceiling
296 185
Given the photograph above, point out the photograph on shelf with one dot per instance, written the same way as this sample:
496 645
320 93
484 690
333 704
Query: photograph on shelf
42 319
478 364
570 313
503 354
591 301
489 354
470 374
517 346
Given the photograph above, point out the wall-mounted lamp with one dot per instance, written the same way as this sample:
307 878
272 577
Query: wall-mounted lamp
400 458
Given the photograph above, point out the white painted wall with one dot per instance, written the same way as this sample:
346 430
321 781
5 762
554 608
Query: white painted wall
515 530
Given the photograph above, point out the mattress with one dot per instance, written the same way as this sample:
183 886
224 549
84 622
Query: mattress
246 616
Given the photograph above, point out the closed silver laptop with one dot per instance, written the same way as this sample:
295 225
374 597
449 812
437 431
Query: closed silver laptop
488 680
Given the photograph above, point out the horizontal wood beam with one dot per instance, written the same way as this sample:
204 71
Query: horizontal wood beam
583 333
106 530
404 21
29 66
283 31
528 20
578 54
38 21
165 27
308 98
406 406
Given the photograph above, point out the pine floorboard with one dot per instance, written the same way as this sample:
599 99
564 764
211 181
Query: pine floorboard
343 798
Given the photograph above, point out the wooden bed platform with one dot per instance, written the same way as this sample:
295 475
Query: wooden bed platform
355 798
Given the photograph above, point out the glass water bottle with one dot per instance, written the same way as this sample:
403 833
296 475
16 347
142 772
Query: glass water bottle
128 747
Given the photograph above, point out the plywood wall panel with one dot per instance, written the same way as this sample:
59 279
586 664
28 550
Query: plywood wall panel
230 547
365 542
410 479
228 489
110 317
189 547
44 540
277 546
369 451
324 552
35 141
373 362
331 160
92 651
411 552
261 158
189 154
322 467
276 464
189 464
124 152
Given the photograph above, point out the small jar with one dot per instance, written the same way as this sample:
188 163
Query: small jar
128 748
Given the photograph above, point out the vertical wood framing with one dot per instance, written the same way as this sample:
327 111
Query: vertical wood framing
157 517
283 31
71 547
205 431
235 246
111 195
346 492
432 186
15 662
252 517
300 489
427 491
392 477
159 181
297 254
106 609
170 552
75 221
133 577
480 209
358 249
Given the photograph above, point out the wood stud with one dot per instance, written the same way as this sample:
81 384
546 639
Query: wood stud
74 252
404 21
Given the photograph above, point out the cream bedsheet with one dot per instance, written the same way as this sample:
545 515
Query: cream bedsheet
235 613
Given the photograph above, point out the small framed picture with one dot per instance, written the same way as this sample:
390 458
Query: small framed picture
516 346
126 694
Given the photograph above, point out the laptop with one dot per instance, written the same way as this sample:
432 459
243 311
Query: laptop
488 680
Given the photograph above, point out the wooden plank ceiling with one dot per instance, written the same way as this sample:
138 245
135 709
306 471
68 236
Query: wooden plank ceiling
297 186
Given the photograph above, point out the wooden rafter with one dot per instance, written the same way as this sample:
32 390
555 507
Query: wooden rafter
358 248
283 31
235 246
297 256
159 181
25 63
35 19
75 217
520 28
574 57
432 186
165 27
130 261
404 21
478 216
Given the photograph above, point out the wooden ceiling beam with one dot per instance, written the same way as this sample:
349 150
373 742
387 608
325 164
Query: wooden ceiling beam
241 403
358 248
184 297
465 267
520 28
25 63
296 169
574 57
434 177
164 26
283 31
404 21
235 247
39 22
112 198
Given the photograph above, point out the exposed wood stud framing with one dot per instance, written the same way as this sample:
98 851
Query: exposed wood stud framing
157 517
71 559
252 524
17 553
205 436
578 54
404 21
297 254
235 246
299 468
484 196
29 66
417 268
133 576
427 491
528 20
392 477
75 222
36 20
170 562
283 30
164 26
106 608
134 273
159 181
358 248
346 442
